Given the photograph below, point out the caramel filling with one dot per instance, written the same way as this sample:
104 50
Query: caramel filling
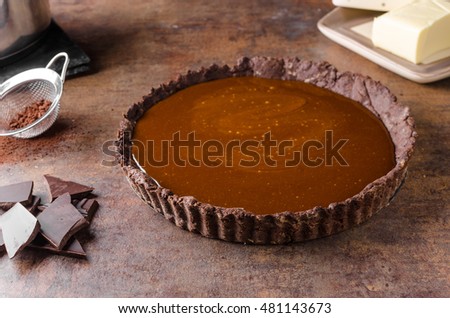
264 145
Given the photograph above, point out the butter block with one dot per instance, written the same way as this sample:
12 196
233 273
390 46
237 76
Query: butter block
418 32
377 5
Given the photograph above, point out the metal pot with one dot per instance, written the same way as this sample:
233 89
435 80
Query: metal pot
22 23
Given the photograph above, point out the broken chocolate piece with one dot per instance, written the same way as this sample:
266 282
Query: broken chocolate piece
2 243
87 208
19 228
60 220
32 207
63 198
73 247
58 187
13 193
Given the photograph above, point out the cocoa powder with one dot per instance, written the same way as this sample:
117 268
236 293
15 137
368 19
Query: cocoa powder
30 114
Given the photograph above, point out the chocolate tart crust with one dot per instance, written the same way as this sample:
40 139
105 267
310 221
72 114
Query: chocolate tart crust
238 225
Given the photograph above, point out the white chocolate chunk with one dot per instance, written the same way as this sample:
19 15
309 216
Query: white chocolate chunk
19 228
418 32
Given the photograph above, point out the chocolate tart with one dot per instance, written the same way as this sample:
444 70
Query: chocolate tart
239 225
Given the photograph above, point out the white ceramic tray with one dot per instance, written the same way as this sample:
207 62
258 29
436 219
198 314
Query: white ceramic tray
338 24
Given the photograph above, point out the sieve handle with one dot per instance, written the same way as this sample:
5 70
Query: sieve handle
66 63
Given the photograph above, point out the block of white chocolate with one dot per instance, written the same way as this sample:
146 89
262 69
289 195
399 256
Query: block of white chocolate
418 32
19 228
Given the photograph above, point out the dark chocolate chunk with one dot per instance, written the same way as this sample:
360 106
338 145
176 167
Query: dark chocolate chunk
32 207
64 198
60 220
41 208
73 247
13 193
88 207
2 243
19 228
58 187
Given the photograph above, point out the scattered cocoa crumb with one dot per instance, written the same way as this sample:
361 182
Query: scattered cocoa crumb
30 114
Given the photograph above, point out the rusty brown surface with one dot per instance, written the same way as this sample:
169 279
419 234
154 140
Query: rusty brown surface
132 251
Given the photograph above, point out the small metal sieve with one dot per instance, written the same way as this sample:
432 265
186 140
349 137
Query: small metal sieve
26 88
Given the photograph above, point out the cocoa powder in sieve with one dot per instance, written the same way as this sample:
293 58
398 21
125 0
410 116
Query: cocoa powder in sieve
30 114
